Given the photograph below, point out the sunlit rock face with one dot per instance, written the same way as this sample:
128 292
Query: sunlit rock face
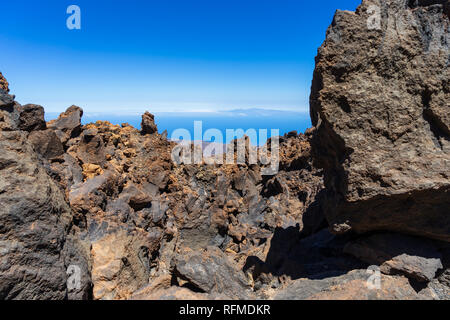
380 103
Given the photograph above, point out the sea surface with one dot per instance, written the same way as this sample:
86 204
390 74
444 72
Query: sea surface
257 119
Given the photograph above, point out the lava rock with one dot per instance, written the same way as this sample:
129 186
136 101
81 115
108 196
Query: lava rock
35 221
32 118
398 254
211 271
46 143
4 83
148 125
379 102
350 286
68 124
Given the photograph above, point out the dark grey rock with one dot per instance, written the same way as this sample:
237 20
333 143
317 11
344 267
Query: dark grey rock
46 143
68 124
212 272
32 118
35 221
414 257
148 125
379 102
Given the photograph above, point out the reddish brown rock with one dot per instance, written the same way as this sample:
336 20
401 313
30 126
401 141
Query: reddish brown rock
4 83
148 125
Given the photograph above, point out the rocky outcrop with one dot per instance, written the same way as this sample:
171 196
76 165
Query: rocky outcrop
351 286
39 243
36 222
147 217
3 83
9 113
379 103
398 254
211 272
46 143
68 124
101 211
31 118
148 125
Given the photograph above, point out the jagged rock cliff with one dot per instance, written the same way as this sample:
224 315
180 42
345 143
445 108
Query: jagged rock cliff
380 102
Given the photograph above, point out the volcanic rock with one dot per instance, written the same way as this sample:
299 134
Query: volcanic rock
9 112
121 264
351 286
107 204
148 123
3 83
32 118
35 223
68 124
46 143
211 272
397 254
379 103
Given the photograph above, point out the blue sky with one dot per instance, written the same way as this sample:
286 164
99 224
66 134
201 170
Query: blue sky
165 55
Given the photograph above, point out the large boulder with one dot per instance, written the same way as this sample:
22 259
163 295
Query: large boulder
68 124
211 271
32 118
46 143
9 112
380 106
148 125
398 254
35 222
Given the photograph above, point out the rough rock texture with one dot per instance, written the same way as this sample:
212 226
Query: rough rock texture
32 118
211 272
148 125
140 210
46 143
396 254
35 224
68 124
161 289
121 264
351 286
3 83
9 113
107 200
380 103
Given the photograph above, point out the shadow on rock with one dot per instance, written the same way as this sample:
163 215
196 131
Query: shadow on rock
291 257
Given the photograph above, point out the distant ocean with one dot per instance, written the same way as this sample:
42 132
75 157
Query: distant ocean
284 121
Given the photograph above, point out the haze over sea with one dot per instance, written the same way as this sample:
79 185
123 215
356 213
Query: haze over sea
284 121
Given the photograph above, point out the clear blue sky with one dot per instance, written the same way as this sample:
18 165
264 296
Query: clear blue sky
164 55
